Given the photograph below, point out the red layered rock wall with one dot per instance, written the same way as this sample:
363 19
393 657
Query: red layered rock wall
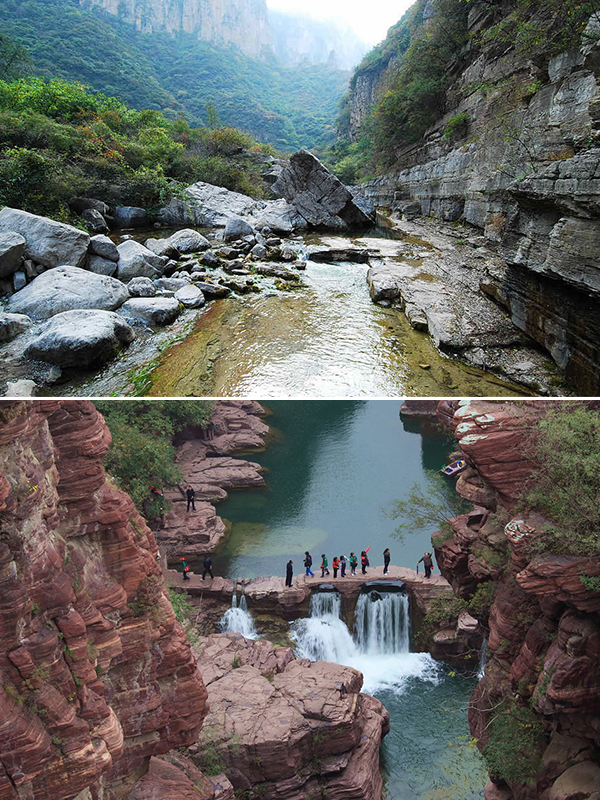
544 625
96 675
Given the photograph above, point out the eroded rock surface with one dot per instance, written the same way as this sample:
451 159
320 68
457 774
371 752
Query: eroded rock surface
207 468
96 675
287 728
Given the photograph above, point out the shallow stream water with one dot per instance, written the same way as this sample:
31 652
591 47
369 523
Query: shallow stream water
323 339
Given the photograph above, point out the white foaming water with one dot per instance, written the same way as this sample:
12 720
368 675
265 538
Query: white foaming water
380 648
238 619
482 659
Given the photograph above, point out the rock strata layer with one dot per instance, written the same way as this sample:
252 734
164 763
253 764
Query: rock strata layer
543 622
96 675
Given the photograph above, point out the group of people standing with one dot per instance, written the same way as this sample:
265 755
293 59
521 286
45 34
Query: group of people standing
341 564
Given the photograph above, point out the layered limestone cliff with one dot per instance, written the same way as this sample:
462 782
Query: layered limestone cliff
243 23
544 623
96 675
522 166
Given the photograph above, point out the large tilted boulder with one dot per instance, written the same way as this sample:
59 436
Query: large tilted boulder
153 310
48 242
12 249
65 289
81 338
320 197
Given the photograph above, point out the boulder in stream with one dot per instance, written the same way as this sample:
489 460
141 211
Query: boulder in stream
153 310
65 289
81 338
47 242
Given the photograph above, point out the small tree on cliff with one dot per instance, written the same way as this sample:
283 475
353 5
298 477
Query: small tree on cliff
427 507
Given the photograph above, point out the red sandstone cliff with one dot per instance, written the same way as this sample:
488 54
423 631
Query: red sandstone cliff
96 675
544 625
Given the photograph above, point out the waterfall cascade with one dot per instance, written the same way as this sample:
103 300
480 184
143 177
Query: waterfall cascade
380 646
238 619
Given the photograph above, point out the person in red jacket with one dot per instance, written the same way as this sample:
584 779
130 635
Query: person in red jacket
336 565
364 560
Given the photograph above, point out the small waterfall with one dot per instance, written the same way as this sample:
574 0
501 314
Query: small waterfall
380 646
238 619
382 623
482 659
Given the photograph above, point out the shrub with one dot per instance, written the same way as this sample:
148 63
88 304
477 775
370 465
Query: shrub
565 486
457 126
515 744
427 506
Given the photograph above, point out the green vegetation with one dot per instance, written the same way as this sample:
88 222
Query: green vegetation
289 108
147 598
457 127
414 68
542 28
181 606
427 507
142 453
58 139
516 741
592 584
566 485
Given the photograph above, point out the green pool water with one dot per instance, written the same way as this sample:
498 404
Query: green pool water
333 470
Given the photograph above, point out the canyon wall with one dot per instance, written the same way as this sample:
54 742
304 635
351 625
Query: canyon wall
246 24
243 23
524 169
96 675
544 623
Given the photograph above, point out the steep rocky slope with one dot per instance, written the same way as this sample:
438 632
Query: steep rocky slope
96 675
243 23
541 679
514 152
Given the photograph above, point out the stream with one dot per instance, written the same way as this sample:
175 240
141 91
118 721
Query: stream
324 338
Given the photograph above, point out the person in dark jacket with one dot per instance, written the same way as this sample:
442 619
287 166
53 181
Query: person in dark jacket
364 560
308 564
185 569
386 560
190 494
427 563
207 567
289 572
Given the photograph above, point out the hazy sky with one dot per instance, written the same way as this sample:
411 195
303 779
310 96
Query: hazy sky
369 18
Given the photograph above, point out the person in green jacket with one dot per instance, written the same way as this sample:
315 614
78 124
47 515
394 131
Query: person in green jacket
353 561
324 565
